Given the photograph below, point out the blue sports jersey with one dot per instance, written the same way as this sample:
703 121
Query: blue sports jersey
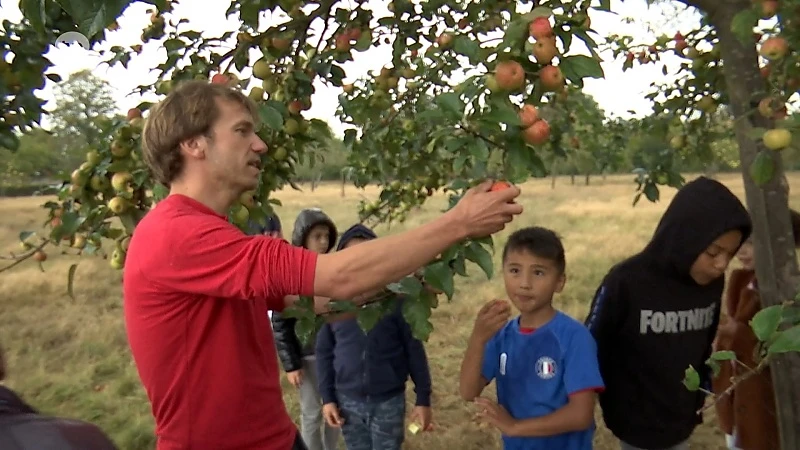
535 373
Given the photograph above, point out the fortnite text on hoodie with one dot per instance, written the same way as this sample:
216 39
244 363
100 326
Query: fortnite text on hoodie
652 319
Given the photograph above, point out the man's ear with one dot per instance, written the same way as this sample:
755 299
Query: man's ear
194 147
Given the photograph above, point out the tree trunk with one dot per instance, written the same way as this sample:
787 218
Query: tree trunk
572 178
776 264
586 179
554 174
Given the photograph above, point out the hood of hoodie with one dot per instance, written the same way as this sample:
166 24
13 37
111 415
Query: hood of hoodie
356 231
308 219
701 211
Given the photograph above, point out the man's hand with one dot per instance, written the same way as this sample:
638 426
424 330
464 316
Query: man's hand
295 377
494 414
331 414
491 318
482 213
423 416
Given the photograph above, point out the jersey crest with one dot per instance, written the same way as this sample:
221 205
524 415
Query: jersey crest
545 367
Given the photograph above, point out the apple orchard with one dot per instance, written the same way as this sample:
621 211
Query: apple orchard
473 90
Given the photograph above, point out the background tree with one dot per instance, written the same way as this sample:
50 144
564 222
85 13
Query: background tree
82 116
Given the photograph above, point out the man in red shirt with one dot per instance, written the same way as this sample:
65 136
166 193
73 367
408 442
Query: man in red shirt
197 289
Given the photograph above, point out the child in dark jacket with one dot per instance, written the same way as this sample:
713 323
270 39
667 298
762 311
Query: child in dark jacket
313 230
657 312
362 377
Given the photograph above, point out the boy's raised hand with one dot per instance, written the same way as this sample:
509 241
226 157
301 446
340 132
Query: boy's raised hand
491 318
331 414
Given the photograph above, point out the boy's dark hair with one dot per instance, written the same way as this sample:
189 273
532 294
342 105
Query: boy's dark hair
538 241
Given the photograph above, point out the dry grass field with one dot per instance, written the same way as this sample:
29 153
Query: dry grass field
70 357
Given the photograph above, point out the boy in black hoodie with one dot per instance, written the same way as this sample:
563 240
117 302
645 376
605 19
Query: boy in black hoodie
657 312
313 230
362 377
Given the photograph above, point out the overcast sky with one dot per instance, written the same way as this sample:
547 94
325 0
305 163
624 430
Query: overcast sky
616 94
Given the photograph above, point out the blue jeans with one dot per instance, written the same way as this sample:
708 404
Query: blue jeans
373 426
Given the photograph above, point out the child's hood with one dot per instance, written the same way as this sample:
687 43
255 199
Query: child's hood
308 219
701 211
356 231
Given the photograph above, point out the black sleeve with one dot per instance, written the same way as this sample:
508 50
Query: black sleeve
286 341
606 315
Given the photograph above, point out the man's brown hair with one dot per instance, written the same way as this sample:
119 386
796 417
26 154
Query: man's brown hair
190 110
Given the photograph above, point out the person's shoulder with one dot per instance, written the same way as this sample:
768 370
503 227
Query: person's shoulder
570 330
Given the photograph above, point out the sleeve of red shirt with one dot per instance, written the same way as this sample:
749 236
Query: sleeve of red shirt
215 258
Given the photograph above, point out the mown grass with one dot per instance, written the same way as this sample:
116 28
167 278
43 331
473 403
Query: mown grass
70 357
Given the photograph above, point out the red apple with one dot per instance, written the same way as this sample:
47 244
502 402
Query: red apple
551 77
219 78
774 48
540 27
510 75
537 134
528 115
544 51
134 113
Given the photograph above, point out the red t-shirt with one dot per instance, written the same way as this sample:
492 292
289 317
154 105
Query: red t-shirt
196 295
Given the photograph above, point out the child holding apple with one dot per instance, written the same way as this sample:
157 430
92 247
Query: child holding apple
544 362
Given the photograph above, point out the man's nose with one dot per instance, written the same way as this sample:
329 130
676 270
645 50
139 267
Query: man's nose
259 146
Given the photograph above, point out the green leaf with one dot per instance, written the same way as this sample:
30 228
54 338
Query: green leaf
539 11
342 306
35 12
691 379
765 322
440 276
25 235
305 328
762 168
9 140
160 192
368 317
577 67
271 117
723 355
503 113
452 103
467 47
408 286
786 341
479 150
651 192
92 16
479 255
71 280
417 312
743 23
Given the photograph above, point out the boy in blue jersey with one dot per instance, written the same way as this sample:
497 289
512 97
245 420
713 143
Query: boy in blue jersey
544 362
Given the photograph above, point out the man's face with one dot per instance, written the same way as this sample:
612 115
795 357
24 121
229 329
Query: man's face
318 239
530 280
712 263
233 152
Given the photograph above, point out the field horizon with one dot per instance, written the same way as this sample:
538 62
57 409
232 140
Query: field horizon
70 357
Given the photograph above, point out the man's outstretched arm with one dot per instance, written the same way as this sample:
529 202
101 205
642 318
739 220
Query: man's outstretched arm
378 262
